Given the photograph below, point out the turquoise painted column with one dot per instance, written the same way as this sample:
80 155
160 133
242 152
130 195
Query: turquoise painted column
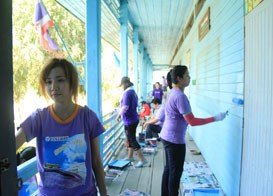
93 55
135 60
145 64
93 58
124 36
141 72
149 76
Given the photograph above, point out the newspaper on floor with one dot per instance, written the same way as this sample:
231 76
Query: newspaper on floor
203 192
112 174
149 150
130 192
198 176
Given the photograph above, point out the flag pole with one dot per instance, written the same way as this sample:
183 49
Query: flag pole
62 40
58 33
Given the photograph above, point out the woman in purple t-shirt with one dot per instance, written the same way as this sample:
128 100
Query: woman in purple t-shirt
158 92
178 115
129 115
66 135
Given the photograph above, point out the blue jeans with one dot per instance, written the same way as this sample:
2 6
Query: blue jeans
175 157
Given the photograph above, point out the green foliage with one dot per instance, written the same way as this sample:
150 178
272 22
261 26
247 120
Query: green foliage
28 55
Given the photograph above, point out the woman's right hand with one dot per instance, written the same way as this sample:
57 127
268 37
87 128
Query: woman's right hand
220 116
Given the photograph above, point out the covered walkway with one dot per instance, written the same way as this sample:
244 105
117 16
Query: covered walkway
148 179
227 45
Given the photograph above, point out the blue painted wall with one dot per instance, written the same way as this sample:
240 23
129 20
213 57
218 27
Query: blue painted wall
216 66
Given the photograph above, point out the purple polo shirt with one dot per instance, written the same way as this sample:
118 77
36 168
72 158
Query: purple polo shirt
63 150
174 127
129 100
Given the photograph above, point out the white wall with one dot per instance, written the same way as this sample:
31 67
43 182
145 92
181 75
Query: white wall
217 65
157 75
257 160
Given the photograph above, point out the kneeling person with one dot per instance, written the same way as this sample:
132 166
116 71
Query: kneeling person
154 125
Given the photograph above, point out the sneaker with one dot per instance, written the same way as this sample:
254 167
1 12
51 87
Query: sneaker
129 159
153 143
141 163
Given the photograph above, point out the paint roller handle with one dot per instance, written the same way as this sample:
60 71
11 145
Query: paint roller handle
220 116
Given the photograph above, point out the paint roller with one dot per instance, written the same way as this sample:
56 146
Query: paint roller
237 102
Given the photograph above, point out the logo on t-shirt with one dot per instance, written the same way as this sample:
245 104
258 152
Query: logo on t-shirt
56 139
64 161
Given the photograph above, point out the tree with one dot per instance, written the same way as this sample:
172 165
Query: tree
28 56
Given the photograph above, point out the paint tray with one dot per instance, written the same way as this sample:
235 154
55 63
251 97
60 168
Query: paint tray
118 164
206 192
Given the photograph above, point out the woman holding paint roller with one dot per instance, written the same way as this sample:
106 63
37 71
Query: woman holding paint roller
178 115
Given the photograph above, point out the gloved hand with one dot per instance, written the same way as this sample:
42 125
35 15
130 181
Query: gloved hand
220 116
